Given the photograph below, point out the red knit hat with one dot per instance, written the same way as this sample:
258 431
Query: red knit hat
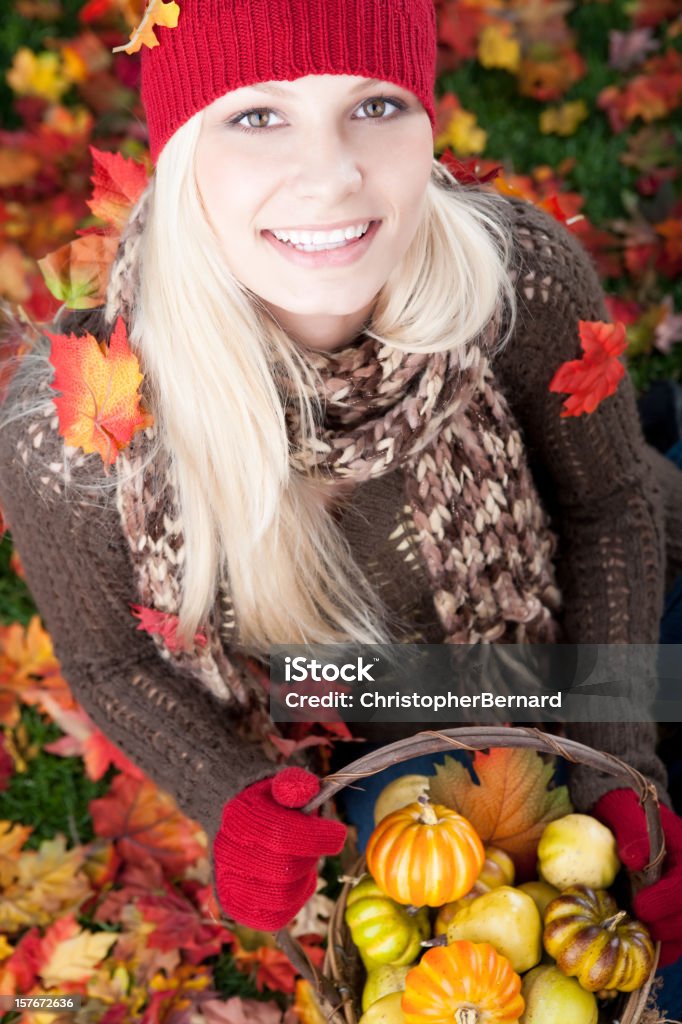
221 45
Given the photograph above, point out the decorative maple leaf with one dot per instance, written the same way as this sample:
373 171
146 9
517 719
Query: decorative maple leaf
511 805
117 185
99 408
165 625
157 13
596 375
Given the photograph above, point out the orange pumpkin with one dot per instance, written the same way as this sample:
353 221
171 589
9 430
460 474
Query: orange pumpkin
463 983
425 854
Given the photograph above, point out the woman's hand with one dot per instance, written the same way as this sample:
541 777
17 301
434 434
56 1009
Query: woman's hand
266 851
659 905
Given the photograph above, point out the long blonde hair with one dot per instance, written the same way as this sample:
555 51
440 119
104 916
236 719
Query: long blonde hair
208 347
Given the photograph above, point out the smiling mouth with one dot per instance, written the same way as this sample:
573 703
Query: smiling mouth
302 241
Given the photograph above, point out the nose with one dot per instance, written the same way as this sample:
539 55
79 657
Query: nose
328 168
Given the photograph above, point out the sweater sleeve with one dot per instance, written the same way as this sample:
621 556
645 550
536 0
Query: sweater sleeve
79 573
596 479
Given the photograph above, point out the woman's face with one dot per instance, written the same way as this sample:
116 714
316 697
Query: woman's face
315 160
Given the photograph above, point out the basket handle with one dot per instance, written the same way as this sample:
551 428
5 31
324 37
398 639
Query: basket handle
473 738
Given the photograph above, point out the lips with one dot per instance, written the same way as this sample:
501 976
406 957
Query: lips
339 256
329 243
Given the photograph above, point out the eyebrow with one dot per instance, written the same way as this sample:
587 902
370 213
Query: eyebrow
277 90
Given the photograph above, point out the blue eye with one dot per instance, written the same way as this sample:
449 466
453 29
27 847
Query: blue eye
261 112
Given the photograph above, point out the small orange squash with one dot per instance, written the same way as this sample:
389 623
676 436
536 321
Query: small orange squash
463 983
425 854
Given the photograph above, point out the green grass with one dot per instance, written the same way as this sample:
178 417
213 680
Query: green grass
16 603
54 793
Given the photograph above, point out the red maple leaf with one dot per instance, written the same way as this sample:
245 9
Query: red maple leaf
117 185
596 375
145 822
25 961
165 625
178 925
470 172
272 967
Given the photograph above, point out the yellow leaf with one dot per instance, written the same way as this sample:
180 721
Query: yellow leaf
498 48
462 135
76 959
5 948
46 884
75 68
157 13
563 120
37 74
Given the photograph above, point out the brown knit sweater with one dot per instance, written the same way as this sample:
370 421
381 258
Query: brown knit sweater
615 504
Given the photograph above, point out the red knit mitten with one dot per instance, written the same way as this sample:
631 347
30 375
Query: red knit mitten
266 852
659 905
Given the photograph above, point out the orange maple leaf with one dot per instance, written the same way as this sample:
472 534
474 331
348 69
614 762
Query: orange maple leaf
511 804
117 185
596 375
77 273
165 625
99 408
157 13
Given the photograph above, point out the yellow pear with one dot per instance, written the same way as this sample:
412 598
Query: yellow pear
498 869
578 850
383 981
542 893
386 1010
506 918
399 793
553 998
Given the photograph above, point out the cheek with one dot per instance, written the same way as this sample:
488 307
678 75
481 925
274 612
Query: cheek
231 189
407 173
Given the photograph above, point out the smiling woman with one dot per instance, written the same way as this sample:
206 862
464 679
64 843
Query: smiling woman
334 181
347 355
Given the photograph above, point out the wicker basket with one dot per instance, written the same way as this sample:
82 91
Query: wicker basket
338 988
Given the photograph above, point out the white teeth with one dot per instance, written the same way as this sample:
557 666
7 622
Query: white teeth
322 238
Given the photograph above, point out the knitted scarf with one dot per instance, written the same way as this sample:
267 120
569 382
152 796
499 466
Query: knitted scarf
483 534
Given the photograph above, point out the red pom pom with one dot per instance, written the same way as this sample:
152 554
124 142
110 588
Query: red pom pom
294 787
